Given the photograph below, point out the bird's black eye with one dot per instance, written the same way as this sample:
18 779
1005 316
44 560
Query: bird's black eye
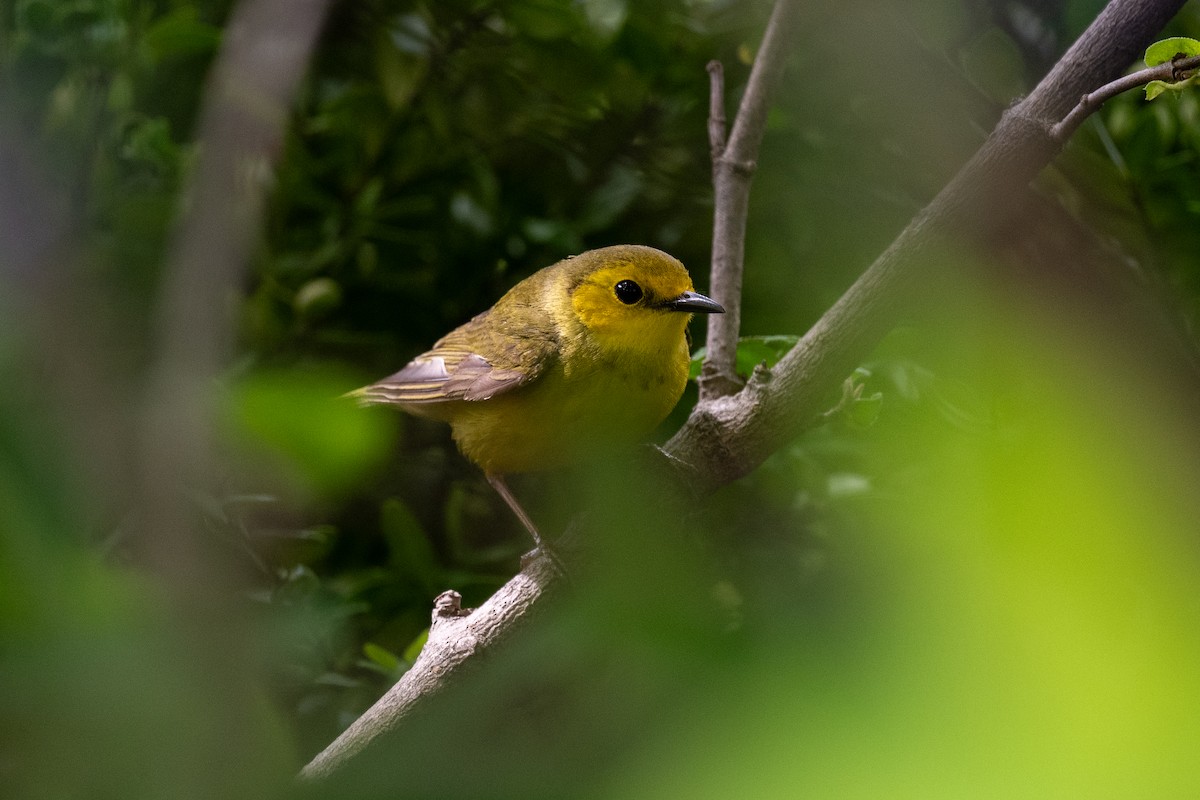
628 292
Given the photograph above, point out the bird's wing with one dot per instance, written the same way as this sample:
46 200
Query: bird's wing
476 361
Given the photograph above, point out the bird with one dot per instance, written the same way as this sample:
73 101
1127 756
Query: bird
586 355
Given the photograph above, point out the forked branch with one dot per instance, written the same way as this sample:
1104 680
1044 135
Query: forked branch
727 437
1171 72
733 169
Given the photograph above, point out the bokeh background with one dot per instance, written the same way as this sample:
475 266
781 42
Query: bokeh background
979 579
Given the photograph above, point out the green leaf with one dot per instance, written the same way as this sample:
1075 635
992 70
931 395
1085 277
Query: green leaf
606 16
1155 88
381 656
847 484
400 72
696 363
543 21
864 411
414 649
297 421
149 141
755 350
181 34
1167 49
337 681
317 298
299 582
37 17
751 351
408 544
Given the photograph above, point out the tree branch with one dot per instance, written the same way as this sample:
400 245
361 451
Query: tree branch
728 435
716 110
733 170
456 636
1172 71
250 88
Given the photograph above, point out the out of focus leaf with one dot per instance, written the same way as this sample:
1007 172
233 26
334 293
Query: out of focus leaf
382 657
765 350
606 16
864 411
317 298
36 16
181 34
751 352
303 419
414 648
408 544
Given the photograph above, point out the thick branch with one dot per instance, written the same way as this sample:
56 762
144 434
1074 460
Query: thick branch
728 437
733 169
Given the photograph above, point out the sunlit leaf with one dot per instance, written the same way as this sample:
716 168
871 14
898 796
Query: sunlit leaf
1156 88
1166 50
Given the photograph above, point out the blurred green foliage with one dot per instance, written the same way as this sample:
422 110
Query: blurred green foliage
972 555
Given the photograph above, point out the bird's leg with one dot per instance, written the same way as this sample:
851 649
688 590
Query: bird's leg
502 489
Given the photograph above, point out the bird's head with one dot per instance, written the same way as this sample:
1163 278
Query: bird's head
634 298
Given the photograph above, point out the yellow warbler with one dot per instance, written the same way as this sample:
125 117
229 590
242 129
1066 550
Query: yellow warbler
583 355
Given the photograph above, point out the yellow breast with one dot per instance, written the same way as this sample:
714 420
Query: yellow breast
580 407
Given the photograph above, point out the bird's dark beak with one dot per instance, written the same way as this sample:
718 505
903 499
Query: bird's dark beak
696 302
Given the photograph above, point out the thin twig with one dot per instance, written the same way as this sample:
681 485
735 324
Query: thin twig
1171 71
716 110
733 168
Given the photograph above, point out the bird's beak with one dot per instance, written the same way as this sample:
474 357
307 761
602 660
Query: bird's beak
696 302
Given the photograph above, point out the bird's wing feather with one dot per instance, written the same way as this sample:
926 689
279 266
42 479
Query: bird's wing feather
476 361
